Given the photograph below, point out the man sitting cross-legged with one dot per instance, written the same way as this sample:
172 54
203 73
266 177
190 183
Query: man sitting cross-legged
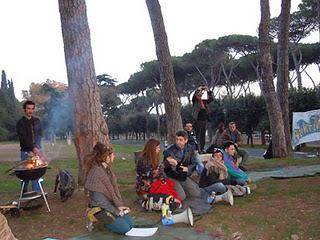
179 163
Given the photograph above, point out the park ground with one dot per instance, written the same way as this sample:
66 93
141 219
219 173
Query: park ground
276 209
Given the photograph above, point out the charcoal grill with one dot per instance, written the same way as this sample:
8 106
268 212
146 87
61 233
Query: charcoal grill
30 171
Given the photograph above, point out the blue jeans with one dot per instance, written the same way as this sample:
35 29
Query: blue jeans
121 225
238 181
35 184
199 164
218 188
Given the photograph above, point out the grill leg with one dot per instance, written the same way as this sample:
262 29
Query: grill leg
44 196
21 193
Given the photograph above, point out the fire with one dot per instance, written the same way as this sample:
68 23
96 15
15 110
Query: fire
33 162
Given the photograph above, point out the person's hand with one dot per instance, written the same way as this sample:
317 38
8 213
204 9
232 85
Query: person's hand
123 210
172 161
184 169
36 151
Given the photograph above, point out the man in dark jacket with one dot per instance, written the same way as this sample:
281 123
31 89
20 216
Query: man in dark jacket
192 141
201 97
179 163
29 132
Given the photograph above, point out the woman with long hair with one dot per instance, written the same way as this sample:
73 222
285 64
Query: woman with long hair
148 167
101 183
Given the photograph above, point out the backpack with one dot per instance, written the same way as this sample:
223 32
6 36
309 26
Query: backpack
268 153
65 184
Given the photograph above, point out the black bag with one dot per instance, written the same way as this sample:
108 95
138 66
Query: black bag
65 184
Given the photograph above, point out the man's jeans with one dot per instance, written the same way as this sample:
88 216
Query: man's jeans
35 184
244 154
187 188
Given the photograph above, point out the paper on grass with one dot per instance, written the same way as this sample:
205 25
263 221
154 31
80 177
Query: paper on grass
142 232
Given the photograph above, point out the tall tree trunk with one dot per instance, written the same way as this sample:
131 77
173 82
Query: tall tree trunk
89 123
268 90
283 68
169 91
296 63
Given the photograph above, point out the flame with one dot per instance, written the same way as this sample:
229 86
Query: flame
33 162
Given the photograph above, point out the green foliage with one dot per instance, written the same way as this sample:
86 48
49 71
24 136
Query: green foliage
10 110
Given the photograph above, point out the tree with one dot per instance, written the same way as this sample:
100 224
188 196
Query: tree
283 67
4 84
169 91
267 86
89 124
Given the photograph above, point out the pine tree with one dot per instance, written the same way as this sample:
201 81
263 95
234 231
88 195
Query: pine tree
11 90
4 84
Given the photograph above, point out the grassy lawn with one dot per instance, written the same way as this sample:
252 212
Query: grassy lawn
277 209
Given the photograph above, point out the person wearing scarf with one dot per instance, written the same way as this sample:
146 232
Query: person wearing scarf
101 183
214 179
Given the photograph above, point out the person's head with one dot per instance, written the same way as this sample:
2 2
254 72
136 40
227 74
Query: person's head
100 154
181 138
232 126
151 152
221 127
188 126
28 107
217 155
230 148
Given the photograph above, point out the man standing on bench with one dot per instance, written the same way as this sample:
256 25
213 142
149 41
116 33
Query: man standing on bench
179 163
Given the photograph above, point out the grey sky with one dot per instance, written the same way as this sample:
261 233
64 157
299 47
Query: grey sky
31 48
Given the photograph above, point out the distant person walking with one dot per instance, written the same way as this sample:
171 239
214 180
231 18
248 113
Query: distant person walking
30 132
200 100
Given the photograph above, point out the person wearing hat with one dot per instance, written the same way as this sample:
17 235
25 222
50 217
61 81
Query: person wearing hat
214 179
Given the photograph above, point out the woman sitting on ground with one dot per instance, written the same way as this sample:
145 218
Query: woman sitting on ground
148 168
214 178
101 183
151 180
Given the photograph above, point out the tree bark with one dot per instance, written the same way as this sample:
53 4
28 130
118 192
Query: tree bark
268 90
169 91
283 68
89 123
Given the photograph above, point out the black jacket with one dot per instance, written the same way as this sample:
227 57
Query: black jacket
213 177
29 132
185 158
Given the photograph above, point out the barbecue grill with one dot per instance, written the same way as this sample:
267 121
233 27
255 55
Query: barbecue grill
32 169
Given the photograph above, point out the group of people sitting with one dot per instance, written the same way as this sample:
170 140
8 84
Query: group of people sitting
172 176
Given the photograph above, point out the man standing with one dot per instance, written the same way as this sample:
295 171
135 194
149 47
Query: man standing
232 134
29 132
192 141
200 100
179 163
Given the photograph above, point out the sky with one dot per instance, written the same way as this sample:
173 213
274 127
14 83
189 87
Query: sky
31 45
